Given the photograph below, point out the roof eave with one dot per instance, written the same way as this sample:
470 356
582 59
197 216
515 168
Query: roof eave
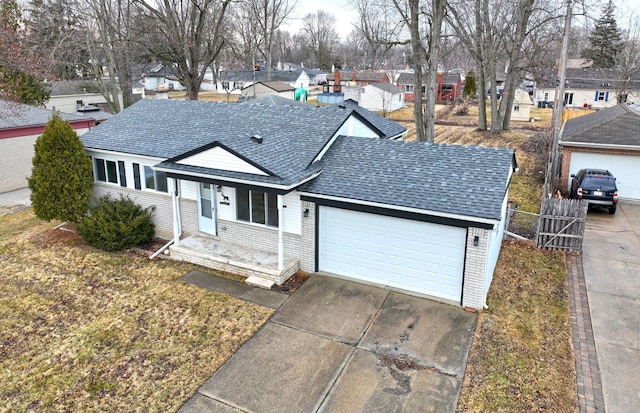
600 146
470 218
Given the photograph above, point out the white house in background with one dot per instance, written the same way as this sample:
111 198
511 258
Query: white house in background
69 96
157 76
378 97
20 126
522 105
317 189
586 88
274 87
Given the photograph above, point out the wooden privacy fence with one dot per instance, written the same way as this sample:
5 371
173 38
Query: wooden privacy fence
561 224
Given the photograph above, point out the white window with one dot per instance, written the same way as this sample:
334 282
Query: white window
109 171
516 108
601 96
408 88
155 180
257 207
546 96
568 98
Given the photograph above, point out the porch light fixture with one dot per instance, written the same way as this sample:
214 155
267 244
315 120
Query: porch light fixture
306 213
476 241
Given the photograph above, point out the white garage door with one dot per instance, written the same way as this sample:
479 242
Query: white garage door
625 168
416 256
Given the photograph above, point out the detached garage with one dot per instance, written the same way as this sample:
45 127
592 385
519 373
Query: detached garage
425 220
607 139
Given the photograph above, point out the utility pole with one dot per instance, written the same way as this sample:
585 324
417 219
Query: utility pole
551 181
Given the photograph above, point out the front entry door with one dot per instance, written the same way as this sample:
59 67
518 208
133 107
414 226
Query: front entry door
207 208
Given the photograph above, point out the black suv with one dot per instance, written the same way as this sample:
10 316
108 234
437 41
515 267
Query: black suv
596 186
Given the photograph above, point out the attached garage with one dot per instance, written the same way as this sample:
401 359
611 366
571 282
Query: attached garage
422 257
606 139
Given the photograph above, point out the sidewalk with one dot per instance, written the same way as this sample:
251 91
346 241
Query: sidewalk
14 201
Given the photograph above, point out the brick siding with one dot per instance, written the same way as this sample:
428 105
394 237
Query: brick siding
475 268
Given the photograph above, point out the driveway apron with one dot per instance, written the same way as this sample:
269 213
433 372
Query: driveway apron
611 261
340 346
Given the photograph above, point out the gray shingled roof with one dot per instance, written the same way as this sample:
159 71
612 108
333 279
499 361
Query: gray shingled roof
17 115
463 180
388 87
277 85
618 125
585 78
171 128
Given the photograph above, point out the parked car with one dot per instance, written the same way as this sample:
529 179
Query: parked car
596 186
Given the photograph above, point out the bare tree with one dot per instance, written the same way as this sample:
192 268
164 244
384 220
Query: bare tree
191 36
268 16
417 16
380 27
318 30
628 60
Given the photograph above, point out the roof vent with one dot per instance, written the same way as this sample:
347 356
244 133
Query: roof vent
256 138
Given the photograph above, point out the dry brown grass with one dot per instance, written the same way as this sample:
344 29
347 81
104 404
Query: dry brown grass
85 330
521 359
207 96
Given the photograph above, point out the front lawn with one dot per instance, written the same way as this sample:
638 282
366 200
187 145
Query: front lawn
86 330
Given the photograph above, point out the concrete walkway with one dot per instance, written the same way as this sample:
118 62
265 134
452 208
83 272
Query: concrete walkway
340 346
611 265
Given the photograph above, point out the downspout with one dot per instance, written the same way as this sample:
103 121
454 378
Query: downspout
177 224
280 225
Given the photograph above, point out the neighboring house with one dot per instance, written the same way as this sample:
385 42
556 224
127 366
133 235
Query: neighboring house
310 188
156 76
20 126
379 97
273 87
522 104
606 139
585 88
70 95
351 78
449 86
235 80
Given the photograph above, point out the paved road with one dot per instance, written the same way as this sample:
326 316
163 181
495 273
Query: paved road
611 260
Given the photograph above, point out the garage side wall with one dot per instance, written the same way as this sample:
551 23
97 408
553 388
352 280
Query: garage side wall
475 268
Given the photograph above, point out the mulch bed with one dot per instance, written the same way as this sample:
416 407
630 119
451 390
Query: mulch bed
291 285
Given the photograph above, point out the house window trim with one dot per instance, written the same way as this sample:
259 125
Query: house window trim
251 212
101 169
144 177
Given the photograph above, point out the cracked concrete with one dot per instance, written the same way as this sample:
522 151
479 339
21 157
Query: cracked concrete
340 346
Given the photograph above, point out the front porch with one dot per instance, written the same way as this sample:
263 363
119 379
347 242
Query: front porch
260 268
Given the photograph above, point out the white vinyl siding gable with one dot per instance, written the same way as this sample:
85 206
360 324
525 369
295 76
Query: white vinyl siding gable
219 158
355 127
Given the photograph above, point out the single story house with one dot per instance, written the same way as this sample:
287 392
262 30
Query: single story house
522 105
606 139
20 127
379 97
69 96
273 87
310 188
235 80
585 88
449 86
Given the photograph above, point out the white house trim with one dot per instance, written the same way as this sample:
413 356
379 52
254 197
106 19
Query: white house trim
404 209
219 158
240 181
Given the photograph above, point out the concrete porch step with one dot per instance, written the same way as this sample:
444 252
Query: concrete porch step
212 253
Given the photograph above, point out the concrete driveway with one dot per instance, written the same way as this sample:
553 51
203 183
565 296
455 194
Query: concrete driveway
339 346
611 261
